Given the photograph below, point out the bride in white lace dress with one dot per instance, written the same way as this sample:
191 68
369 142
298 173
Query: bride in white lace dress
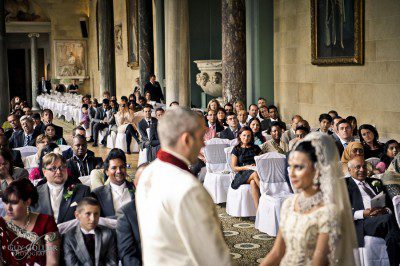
316 225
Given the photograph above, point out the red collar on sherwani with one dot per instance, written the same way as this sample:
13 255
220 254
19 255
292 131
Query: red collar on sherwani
169 158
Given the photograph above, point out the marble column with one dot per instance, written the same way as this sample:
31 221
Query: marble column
146 50
159 68
5 94
177 51
106 46
34 68
233 50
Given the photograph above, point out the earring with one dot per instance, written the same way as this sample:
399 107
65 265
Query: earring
27 211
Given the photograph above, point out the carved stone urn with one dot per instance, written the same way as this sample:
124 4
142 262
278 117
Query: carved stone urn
210 76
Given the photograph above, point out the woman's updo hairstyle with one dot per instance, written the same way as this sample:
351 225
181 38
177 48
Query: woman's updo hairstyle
307 148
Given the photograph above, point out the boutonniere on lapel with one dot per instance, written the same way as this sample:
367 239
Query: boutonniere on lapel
376 184
132 190
69 192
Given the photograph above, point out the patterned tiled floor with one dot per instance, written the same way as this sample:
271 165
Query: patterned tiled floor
247 245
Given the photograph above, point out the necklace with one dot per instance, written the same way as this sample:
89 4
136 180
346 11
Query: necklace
27 222
307 203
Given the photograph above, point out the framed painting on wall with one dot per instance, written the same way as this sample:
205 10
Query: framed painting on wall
70 59
133 33
337 32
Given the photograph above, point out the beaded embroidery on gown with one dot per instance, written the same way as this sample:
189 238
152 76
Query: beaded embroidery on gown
300 231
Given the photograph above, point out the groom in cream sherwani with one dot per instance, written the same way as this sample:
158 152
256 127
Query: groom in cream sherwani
177 218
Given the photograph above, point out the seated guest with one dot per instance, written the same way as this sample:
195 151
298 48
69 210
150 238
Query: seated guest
238 106
13 120
24 137
228 108
82 163
146 123
325 122
263 113
231 132
242 117
333 114
124 119
47 118
119 191
155 89
242 162
100 121
390 150
255 126
300 133
35 234
37 173
79 130
289 134
129 248
253 112
84 119
213 104
8 172
59 195
212 122
73 88
394 165
32 161
369 138
275 144
353 122
379 221
261 102
352 150
89 243
335 133
273 117
16 154
345 135
50 131
36 119
221 117
147 96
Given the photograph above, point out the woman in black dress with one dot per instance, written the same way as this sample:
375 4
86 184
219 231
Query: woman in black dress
243 162
369 138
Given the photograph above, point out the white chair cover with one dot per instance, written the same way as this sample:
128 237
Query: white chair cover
111 140
120 143
374 252
239 202
233 142
396 205
26 151
266 135
274 190
64 147
108 222
373 160
142 156
36 181
85 180
218 177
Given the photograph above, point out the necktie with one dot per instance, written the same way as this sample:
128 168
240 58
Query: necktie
55 192
27 140
367 190
89 240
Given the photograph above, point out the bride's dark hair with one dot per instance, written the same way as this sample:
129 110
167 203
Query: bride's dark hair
308 148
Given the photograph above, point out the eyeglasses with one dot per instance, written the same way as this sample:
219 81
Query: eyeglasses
358 167
54 169
359 151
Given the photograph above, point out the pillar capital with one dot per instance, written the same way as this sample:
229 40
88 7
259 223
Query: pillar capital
33 35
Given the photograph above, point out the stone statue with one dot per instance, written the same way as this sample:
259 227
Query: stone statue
19 10
118 38
202 79
216 78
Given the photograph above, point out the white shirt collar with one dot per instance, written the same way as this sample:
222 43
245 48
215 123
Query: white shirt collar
91 232
55 186
116 187
274 120
177 155
358 182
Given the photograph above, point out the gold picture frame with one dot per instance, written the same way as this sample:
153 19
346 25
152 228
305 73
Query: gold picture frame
337 32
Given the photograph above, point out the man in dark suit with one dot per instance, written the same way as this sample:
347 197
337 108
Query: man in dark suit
273 117
82 163
26 136
17 159
73 87
13 119
232 131
212 121
100 120
44 86
378 221
89 243
148 122
119 191
60 195
129 247
155 90
345 134
47 118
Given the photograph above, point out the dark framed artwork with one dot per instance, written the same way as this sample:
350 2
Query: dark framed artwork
337 32
133 33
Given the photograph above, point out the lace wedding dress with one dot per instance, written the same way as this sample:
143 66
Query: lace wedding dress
300 231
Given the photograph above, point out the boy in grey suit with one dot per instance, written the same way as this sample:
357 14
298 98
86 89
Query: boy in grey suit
89 243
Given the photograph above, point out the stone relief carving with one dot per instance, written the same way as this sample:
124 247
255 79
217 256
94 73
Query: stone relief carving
210 77
23 10
70 59
118 38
